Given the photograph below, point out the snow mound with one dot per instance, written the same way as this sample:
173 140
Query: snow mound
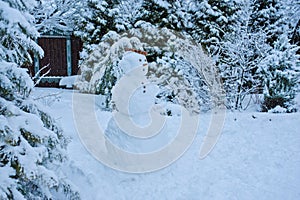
68 81
278 109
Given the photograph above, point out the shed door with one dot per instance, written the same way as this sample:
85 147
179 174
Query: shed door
55 55
76 45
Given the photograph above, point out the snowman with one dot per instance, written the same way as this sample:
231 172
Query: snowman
136 116
134 95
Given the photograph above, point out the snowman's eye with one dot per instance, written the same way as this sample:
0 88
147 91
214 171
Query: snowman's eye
140 60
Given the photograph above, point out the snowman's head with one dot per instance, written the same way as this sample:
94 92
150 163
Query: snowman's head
132 60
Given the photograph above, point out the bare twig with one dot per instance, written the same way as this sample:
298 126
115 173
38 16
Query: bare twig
48 95
38 77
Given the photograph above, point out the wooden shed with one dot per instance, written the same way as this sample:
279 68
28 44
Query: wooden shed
61 55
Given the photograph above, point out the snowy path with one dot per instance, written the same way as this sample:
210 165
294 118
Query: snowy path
255 158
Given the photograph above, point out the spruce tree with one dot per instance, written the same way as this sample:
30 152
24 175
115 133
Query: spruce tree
211 20
268 16
32 145
279 67
180 16
17 32
97 20
154 12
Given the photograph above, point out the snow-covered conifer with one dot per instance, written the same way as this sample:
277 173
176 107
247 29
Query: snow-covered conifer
280 75
57 15
268 16
211 20
32 145
97 19
18 33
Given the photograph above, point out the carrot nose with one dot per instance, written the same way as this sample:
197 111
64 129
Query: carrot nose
145 64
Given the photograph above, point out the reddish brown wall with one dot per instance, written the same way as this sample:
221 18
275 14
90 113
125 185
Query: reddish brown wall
76 47
55 55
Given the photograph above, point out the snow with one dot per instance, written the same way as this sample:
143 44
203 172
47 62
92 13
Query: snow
68 81
278 109
13 16
17 24
256 157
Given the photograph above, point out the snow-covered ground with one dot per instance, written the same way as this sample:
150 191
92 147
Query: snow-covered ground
256 157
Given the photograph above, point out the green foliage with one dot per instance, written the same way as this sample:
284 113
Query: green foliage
106 83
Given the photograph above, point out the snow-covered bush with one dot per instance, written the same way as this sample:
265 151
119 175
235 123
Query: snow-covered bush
239 35
252 63
177 64
242 52
279 66
280 74
32 145
278 109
